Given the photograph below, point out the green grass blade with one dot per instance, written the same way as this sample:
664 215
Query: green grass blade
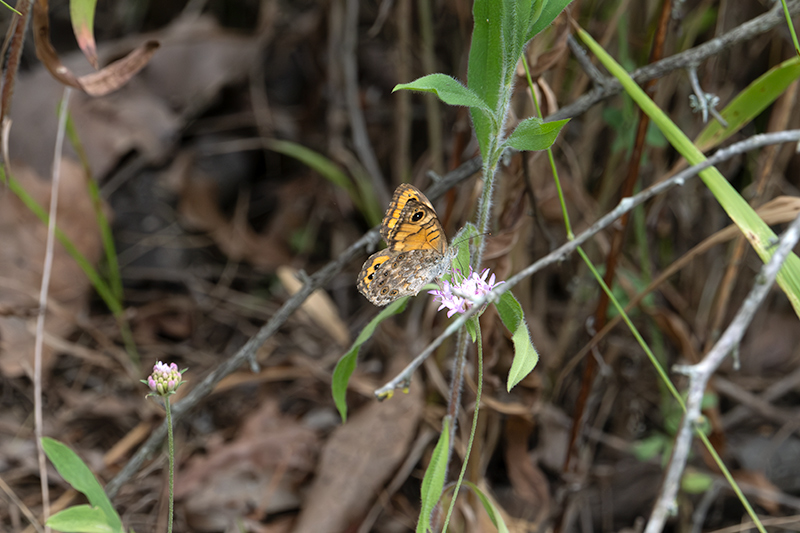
114 277
329 170
97 282
755 230
489 507
347 364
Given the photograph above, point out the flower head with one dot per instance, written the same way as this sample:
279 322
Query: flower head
459 297
164 380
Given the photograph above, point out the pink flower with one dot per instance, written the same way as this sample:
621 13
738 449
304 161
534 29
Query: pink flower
472 287
164 380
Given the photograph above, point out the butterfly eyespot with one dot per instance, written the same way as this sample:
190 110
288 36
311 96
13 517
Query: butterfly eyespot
378 266
384 291
371 276
393 293
416 217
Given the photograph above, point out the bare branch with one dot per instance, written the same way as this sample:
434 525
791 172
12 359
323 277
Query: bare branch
625 205
700 373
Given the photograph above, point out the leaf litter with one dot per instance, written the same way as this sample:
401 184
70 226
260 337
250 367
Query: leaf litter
212 234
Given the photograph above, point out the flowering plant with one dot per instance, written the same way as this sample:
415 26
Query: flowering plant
460 297
164 380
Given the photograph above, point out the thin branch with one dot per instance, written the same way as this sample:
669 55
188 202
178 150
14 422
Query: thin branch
582 57
700 373
705 102
625 205
694 56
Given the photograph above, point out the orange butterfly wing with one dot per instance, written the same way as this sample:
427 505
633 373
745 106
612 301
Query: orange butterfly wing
411 223
417 251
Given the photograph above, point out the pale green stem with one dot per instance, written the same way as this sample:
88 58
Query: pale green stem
171 463
457 383
550 157
479 344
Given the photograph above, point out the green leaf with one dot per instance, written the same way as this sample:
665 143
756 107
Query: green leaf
76 473
650 447
749 103
81 519
694 482
486 71
760 236
472 328
433 481
489 506
81 14
449 91
550 11
462 241
347 364
525 355
534 134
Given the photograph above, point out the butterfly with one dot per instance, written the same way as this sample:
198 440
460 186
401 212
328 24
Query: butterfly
417 251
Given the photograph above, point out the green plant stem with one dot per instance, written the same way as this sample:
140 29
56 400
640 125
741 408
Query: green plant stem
171 462
457 383
479 344
791 27
550 157
485 204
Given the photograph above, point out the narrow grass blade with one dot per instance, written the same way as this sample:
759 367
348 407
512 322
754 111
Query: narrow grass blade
347 364
755 230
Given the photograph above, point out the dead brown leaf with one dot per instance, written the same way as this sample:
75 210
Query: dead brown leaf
257 472
318 306
196 60
357 460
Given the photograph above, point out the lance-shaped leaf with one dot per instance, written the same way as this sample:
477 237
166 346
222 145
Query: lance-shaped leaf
81 519
347 364
433 481
449 90
525 355
76 473
534 134
81 14
549 12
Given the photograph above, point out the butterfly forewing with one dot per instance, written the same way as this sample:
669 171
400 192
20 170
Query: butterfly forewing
417 251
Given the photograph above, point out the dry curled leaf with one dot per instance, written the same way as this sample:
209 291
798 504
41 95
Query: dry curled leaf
104 81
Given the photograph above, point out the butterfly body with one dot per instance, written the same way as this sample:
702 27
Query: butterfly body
417 251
